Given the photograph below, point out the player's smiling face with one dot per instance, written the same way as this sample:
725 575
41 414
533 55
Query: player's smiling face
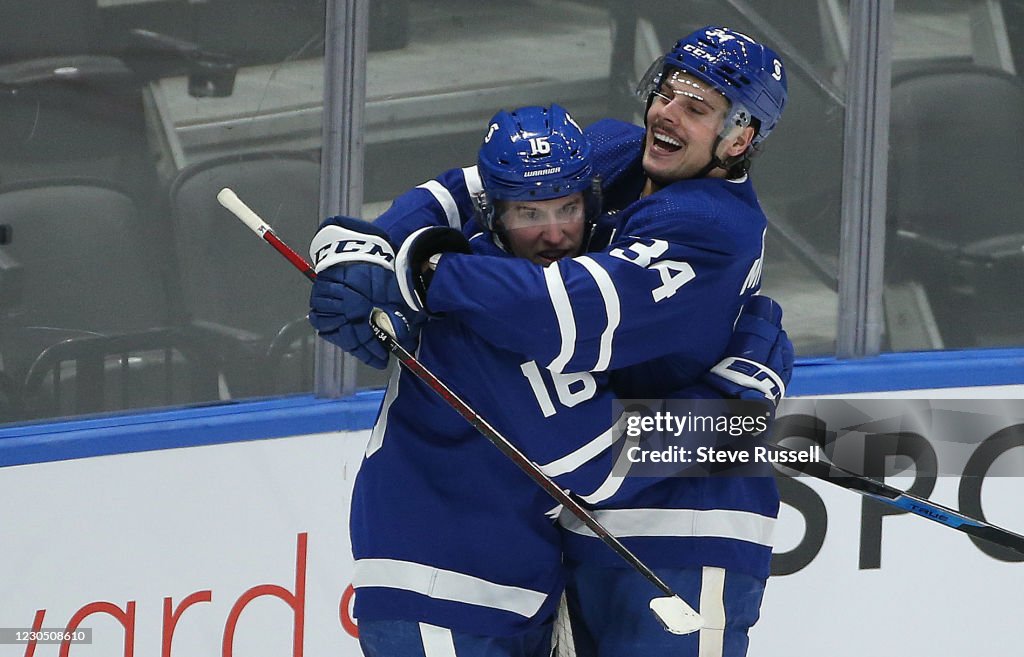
684 118
544 231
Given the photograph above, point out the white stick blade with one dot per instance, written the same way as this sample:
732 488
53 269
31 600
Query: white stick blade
237 207
677 616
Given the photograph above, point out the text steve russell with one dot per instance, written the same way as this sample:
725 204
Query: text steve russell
759 454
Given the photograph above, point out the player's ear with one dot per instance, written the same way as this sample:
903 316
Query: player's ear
739 142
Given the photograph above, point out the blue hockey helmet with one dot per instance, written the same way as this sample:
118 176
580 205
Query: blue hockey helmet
750 75
534 154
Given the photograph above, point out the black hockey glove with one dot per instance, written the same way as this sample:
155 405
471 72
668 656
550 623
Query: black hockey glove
418 257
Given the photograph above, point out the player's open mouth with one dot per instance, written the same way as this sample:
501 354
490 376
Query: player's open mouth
663 143
551 255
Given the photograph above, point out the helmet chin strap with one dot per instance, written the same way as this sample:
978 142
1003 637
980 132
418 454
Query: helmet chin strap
501 241
715 162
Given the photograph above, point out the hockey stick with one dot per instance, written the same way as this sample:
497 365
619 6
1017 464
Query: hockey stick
671 611
233 204
677 616
906 501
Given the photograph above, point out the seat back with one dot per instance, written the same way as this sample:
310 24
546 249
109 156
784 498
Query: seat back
85 262
229 277
957 139
86 270
955 201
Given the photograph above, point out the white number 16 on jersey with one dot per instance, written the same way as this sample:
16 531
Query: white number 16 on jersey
571 388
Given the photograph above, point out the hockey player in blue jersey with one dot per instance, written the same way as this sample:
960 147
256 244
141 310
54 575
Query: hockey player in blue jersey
455 553
656 305
711 101
522 220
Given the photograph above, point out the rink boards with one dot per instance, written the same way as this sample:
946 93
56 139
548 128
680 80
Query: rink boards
223 531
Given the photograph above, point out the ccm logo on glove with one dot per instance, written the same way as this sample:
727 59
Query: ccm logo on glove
335 245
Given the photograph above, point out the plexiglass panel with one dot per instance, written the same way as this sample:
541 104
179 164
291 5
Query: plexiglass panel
123 284
456 62
955 244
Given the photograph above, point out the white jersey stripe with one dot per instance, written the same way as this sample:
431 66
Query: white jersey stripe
473 183
446 200
578 457
617 474
611 307
608 487
563 313
437 641
711 640
381 425
716 523
445 585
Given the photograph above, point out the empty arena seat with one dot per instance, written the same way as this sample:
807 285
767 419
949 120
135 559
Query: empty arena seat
955 197
86 264
87 268
234 285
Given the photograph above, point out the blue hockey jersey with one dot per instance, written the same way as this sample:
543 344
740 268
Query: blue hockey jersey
657 305
446 529
646 315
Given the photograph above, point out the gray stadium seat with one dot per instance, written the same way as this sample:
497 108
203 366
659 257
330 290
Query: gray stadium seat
87 266
86 262
956 199
234 286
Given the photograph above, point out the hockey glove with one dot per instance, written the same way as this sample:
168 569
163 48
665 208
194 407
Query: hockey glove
758 362
417 260
354 275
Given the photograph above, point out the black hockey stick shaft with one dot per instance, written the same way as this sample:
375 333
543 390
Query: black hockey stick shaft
675 614
514 454
908 502
825 471
531 469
